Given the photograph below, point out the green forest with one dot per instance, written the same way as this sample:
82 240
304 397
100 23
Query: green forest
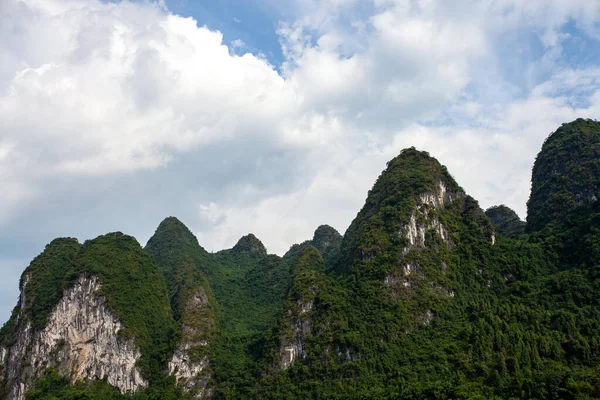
425 296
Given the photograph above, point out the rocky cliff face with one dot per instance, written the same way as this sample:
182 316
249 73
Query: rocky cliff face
177 252
81 340
190 360
293 345
425 230
299 309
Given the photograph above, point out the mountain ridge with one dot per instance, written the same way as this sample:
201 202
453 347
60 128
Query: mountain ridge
424 296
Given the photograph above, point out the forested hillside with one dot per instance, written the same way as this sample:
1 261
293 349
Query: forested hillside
425 296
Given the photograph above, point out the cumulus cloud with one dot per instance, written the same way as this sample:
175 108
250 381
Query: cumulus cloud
118 114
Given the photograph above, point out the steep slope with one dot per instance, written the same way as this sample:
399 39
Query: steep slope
325 239
506 221
177 252
388 320
299 305
310 308
90 331
565 174
563 208
249 287
418 300
431 305
41 289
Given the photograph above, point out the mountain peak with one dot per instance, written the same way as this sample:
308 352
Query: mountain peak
325 239
172 232
506 221
250 245
171 225
565 173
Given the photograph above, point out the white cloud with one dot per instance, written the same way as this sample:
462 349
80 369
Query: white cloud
115 115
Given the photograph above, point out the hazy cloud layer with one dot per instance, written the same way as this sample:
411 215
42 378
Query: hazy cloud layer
116 115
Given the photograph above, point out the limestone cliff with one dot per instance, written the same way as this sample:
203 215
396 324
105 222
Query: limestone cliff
298 310
190 360
177 252
81 340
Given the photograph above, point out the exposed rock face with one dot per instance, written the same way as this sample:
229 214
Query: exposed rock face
300 308
186 365
292 345
80 340
422 220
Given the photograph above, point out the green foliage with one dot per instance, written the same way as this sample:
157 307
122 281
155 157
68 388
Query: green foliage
177 252
54 387
506 221
249 288
44 285
565 173
129 276
452 317
519 325
387 208
325 239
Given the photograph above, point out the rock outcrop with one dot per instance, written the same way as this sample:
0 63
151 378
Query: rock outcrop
177 252
190 360
80 340
293 345
299 308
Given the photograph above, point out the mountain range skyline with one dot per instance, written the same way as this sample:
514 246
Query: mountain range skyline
235 116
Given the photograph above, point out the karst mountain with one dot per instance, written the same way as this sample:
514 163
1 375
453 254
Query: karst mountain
425 296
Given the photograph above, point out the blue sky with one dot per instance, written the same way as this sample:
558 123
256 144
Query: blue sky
270 117
253 22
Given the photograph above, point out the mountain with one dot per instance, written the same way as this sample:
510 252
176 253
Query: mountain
565 174
249 286
506 221
425 296
325 239
393 307
97 311
176 251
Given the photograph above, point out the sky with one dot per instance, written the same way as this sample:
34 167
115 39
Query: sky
273 116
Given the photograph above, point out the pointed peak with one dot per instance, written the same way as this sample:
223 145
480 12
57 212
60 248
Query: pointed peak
171 223
565 174
250 245
326 237
325 231
309 258
417 171
506 221
171 229
501 211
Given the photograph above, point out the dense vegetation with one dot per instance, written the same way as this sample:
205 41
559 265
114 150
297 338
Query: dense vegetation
128 277
478 307
565 174
44 276
325 239
506 221
249 286
177 252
